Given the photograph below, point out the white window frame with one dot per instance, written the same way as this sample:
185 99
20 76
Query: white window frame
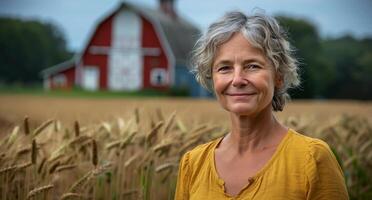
155 73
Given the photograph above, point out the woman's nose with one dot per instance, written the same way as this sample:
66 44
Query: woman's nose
239 79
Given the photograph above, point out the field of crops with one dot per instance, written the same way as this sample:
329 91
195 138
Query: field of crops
129 148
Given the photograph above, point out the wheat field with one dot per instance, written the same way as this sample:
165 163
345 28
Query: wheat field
13 108
72 148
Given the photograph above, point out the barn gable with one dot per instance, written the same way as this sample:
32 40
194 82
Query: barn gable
92 67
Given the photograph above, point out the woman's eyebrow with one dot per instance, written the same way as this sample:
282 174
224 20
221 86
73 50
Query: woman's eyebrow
249 60
221 62
252 60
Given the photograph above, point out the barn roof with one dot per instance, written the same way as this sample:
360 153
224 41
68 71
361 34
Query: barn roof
180 34
58 68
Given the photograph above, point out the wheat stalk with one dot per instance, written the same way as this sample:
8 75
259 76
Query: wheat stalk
68 159
40 168
77 129
181 126
169 123
152 134
13 136
76 186
365 146
33 152
54 158
7 169
127 140
54 167
57 126
112 145
94 153
79 140
72 196
131 160
188 145
163 147
164 167
26 126
121 124
43 126
39 190
65 167
105 126
23 151
137 116
23 166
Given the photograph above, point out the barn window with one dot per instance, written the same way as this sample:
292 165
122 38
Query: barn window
59 80
159 77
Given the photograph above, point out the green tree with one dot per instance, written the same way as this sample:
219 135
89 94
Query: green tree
352 61
27 47
315 71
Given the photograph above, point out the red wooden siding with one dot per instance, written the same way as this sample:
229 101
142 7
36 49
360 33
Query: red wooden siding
151 40
70 79
101 37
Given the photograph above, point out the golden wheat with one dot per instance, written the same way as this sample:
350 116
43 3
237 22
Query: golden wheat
33 152
39 190
145 155
94 153
67 196
43 126
26 126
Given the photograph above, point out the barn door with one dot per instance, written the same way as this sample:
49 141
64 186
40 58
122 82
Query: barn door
125 60
90 78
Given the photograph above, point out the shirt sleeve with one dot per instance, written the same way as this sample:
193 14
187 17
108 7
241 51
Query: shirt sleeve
325 178
183 180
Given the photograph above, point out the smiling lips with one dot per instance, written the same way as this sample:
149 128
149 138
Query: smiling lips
240 94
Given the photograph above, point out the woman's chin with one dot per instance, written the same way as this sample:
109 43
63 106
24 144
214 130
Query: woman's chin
241 109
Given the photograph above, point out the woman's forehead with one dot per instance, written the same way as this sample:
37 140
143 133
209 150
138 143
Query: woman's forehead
238 46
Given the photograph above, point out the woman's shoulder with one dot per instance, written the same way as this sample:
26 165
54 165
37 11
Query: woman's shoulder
316 150
322 170
201 152
309 144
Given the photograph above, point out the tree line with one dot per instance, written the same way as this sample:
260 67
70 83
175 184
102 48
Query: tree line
330 68
28 47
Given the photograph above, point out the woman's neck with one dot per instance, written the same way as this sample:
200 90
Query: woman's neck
251 134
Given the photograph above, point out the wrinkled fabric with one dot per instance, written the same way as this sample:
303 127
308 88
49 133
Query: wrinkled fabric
301 168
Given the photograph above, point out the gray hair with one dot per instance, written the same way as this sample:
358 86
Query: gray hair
264 33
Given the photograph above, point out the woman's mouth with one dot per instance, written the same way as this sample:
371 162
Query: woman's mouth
240 94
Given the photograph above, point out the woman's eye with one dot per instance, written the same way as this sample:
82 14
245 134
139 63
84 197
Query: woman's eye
253 66
223 68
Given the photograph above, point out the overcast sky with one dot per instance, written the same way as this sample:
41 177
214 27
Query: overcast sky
76 18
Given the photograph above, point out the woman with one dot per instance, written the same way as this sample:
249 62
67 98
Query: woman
248 63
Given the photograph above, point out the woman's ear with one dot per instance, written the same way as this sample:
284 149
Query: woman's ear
279 81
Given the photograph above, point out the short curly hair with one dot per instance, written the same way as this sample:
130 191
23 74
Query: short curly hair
264 33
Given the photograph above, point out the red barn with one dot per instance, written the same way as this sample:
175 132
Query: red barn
133 48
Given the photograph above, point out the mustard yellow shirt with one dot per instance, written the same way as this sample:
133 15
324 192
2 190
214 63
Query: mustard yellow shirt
301 168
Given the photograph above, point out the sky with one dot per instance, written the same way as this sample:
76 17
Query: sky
77 18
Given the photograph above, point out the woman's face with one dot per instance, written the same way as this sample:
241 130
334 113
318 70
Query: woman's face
243 78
